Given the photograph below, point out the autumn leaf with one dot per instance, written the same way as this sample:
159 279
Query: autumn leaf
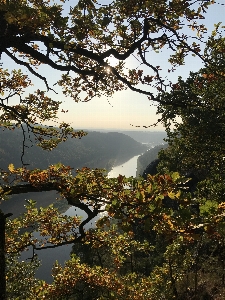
11 168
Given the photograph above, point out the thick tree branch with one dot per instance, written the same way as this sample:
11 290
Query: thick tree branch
49 186
21 43
27 65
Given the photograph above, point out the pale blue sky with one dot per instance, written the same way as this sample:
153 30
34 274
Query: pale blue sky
125 108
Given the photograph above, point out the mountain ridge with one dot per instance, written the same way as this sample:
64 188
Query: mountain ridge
96 150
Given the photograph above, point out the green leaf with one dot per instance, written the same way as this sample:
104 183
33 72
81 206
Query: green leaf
175 176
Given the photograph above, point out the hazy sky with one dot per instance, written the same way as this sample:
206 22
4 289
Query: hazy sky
126 109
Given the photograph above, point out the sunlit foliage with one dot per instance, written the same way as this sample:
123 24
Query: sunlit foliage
151 242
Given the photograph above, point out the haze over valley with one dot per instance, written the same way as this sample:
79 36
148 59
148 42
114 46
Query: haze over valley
96 150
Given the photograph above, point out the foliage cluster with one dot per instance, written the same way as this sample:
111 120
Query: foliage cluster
142 248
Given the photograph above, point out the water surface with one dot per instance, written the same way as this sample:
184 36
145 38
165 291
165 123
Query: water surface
62 253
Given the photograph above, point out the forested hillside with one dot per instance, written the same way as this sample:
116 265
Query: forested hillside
146 158
96 150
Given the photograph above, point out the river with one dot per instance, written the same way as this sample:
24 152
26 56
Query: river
61 254
127 169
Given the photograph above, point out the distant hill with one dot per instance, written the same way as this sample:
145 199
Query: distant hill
146 158
152 138
96 150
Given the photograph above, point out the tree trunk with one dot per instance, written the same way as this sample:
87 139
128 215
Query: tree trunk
2 257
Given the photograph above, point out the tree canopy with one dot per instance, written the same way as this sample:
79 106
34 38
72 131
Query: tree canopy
151 242
196 132
81 42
